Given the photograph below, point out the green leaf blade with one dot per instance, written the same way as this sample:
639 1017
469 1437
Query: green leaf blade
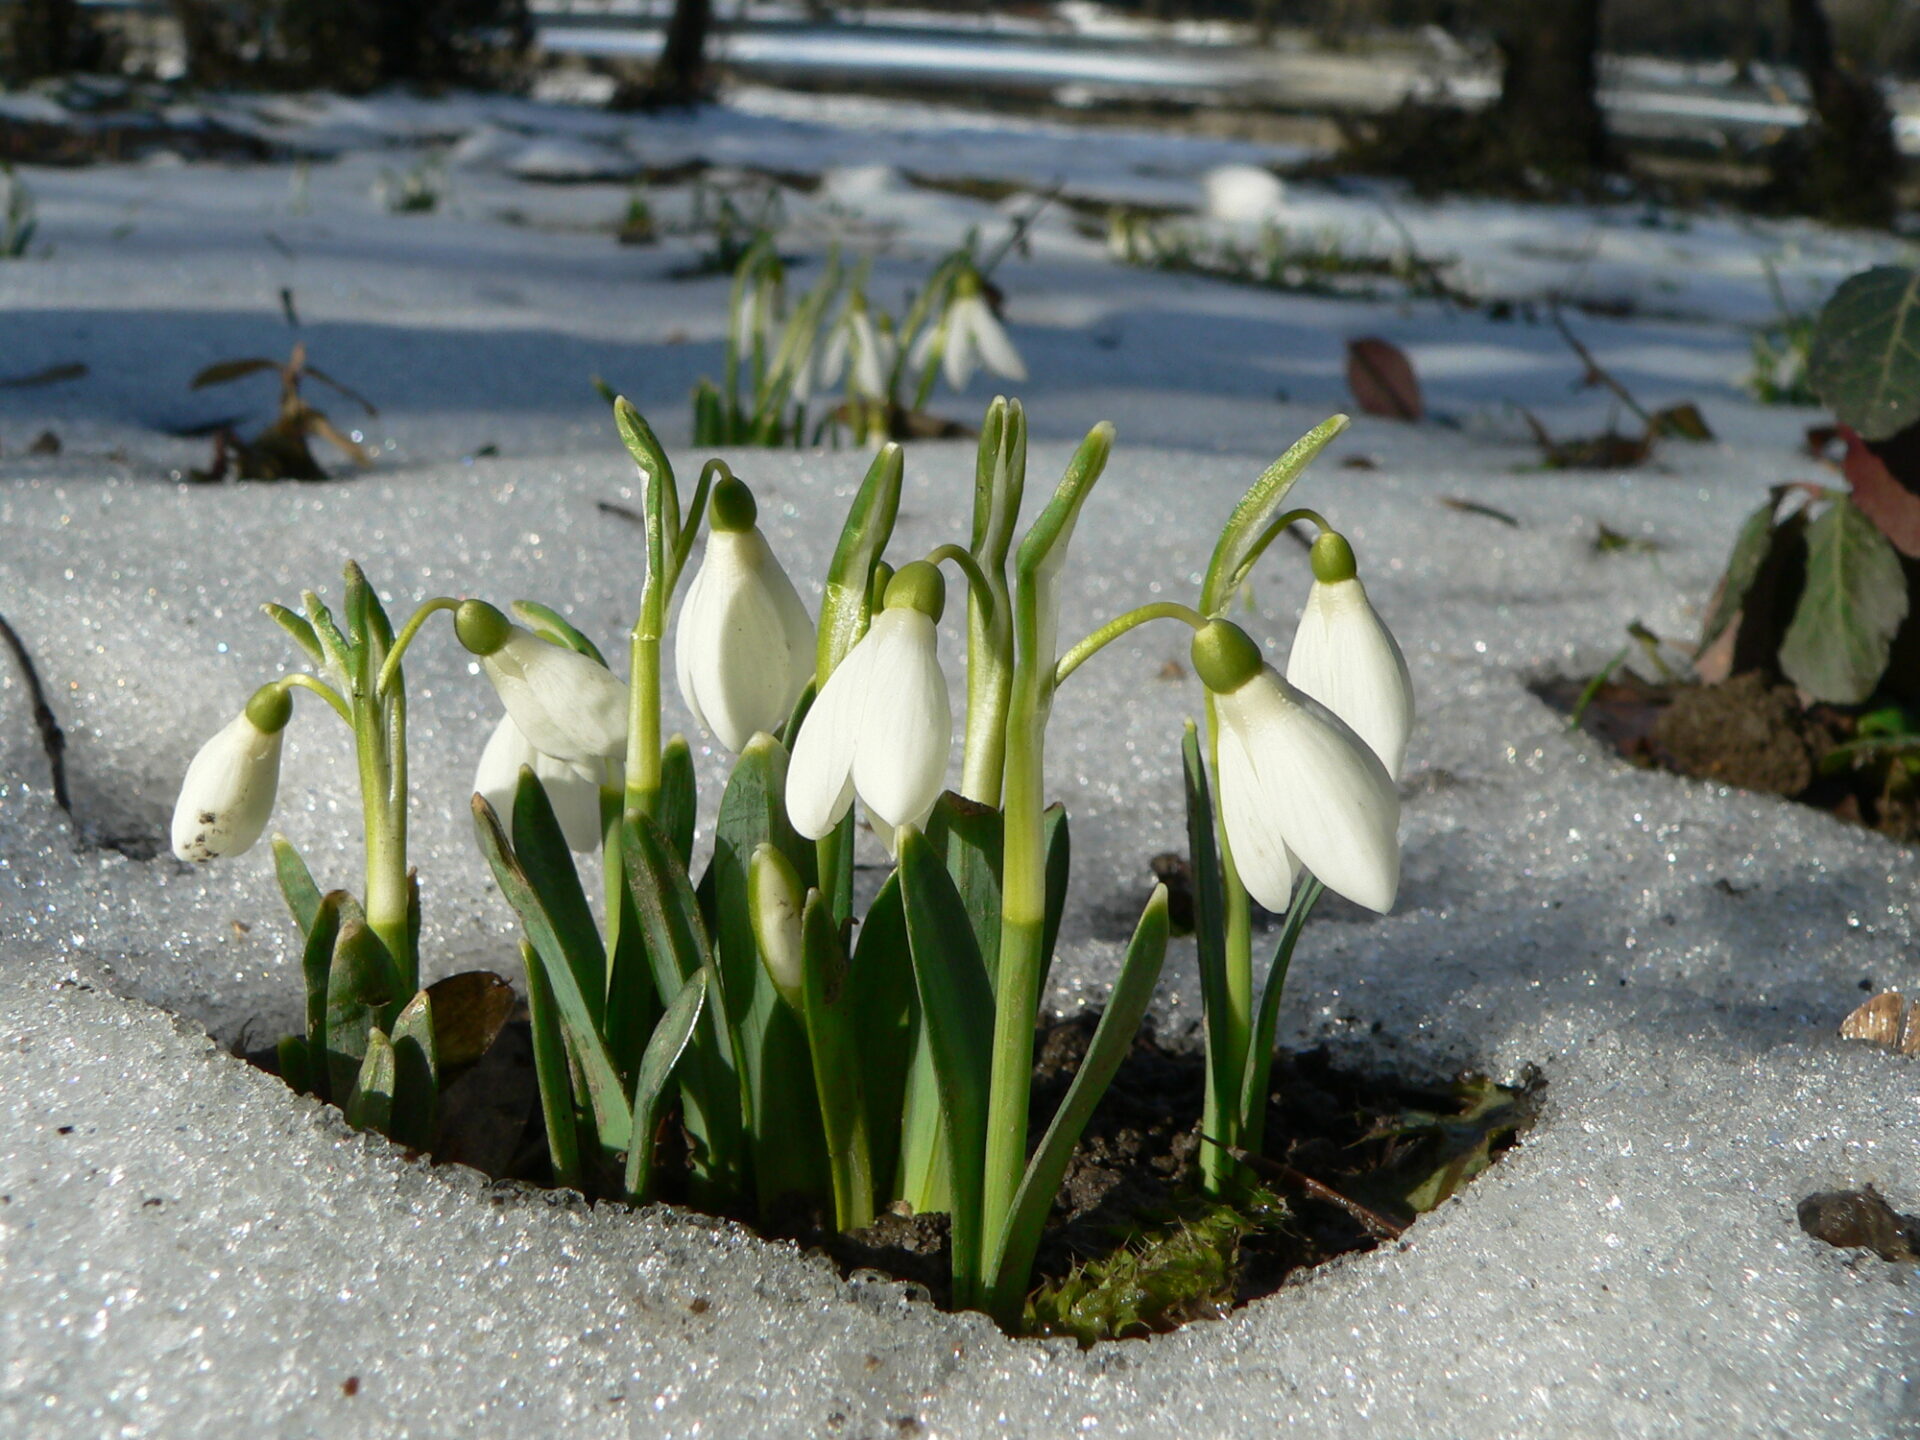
665 1046
1853 602
1865 357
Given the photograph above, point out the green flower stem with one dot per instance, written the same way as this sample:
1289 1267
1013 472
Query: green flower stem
964 562
1259 547
643 677
1253 1123
380 743
325 691
1114 629
391 666
1232 1032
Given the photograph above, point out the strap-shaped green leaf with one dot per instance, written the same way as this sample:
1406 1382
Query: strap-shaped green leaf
1259 1063
769 1039
651 457
416 1065
559 1107
300 631
316 965
677 948
664 1048
834 1040
370 1102
1053 528
540 850
863 540
339 654
296 884
550 625
1850 608
888 1021
968 836
679 801
1012 1258
1256 509
363 992
605 1093
956 1006
1209 930
295 1062
1059 848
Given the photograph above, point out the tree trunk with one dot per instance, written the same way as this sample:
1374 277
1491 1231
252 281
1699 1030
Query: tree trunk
47 37
1548 114
680 75
1845 165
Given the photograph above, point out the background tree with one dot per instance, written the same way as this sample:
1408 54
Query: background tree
47 37
1844 164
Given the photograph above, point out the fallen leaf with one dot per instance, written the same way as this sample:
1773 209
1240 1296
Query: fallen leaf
1474 507
52 375
1887 1019
1382 380
1683 422
1892 507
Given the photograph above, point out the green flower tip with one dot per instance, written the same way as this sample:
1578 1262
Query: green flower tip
732 506
480 627
1332 558
1224 656
920 585
270 707
967 284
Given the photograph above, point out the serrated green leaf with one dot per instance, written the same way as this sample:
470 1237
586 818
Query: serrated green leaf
956 1007
605 1092
665 1047
1750 548
1852 604
416 1068
1014 1249
1865 357
370 1102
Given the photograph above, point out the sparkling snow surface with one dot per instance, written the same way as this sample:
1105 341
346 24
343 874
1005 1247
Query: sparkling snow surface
186 1248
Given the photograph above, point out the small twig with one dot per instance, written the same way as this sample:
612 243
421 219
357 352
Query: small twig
1597 374
53 739
1474 507
1316 1189
1021 225
623 512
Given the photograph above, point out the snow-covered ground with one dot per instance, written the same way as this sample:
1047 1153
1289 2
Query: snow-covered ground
185 1247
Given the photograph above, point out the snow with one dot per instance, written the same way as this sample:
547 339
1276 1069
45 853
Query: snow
186 1247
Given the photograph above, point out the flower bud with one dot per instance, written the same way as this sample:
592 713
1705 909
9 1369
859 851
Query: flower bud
227 796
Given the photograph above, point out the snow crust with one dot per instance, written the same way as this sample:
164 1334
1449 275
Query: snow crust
186 1248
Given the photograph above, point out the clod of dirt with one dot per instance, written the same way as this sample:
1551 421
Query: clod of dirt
1861 1220
1744 732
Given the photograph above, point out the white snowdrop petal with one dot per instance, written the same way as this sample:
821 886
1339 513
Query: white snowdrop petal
958 361
744 647
498 772
906 726
572 789
833 358
1347 659
820 778
565 704
226 796
1333 800
996 349
872 358
1260 853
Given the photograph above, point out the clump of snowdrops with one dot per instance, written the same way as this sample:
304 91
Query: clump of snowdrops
852 1065
832 360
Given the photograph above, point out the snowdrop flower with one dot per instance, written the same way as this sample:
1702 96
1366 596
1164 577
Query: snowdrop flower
228 792
1295 781
881 727
971 335
1347 660
573 789
744 649
858 340
565 705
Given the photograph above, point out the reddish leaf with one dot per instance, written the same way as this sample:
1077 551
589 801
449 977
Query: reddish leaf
1382 380
1881 498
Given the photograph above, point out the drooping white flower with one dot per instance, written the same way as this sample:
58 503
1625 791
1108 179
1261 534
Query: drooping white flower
970 336
881 727
566 705
743 651
1348 660
857 342
1296 782
573 788
227 796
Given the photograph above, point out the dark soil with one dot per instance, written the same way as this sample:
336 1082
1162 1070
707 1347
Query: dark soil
1748 732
